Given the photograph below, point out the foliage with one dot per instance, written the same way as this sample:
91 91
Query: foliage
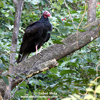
76 73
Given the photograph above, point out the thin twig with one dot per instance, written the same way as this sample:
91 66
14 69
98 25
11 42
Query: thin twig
17 87
79 26
82 17
70 14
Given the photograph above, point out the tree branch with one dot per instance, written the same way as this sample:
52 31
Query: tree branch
18 10
35 70
29 72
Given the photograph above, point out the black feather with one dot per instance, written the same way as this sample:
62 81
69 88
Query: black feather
35 34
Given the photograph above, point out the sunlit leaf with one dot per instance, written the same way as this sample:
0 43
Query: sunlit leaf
89 89
89 97
97 89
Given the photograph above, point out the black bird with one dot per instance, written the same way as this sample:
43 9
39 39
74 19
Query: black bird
36 34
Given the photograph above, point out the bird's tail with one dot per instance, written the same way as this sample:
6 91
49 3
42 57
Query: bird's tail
22 57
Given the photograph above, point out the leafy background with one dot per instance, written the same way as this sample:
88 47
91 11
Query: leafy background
78 75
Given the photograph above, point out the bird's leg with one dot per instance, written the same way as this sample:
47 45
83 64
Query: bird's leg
36 49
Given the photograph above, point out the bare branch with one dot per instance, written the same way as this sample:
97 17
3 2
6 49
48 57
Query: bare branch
69 14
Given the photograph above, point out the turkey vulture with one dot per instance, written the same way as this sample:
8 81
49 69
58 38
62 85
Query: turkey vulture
36 34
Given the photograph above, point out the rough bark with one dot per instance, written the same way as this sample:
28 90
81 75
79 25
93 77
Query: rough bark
18 10
35 70
91 11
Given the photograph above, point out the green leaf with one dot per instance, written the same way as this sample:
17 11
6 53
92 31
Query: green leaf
54 70
21 92
23 84
76 19
93 83
57 42
42 2
63 30
54 4
97 89
61 1
73 60
2 66
67 72
5 79
67 24
6 14
53 85
59 19
53 76
89 97
1 4
11 18
73 12
10 26
58 7
22 76
70 1
81 30
44 72
89 89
